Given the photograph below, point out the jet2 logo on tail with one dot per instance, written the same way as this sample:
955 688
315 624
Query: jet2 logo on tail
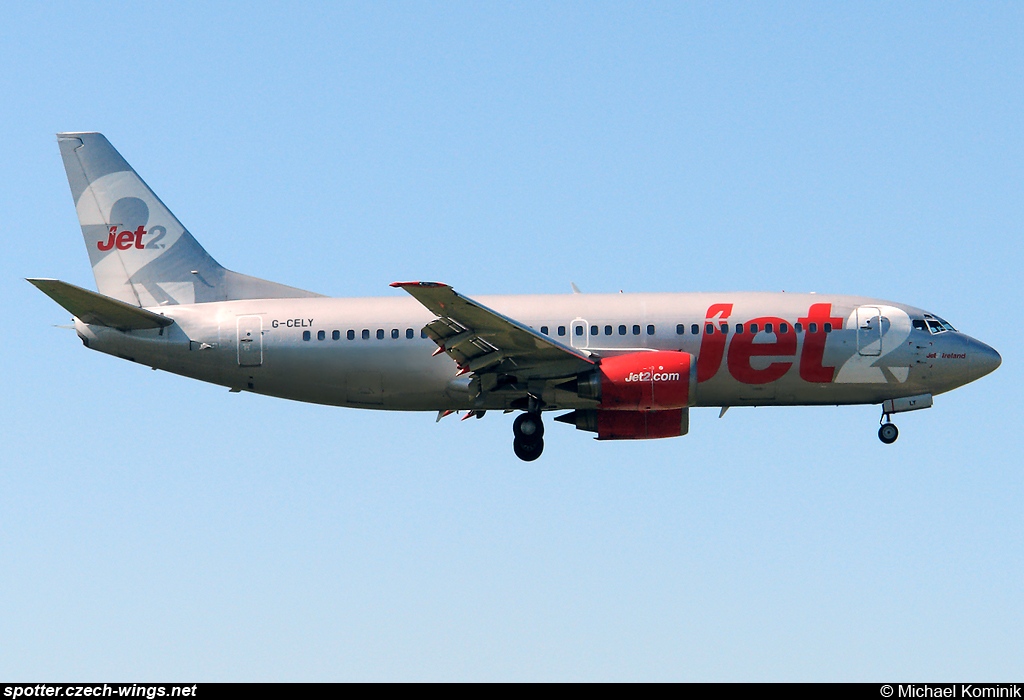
132 239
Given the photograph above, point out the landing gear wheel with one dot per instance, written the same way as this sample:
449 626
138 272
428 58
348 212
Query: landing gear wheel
888 433
528 429
528 426
528 450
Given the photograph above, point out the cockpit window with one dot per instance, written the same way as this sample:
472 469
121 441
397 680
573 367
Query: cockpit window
936 325
920 325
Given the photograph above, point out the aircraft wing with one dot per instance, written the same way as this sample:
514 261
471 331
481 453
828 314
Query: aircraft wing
481 340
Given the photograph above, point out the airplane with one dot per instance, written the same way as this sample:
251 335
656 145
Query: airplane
623 366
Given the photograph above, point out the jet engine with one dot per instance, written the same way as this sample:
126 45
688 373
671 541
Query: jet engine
630 425
641 395
641 381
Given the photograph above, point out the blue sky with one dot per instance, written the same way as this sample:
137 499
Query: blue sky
152 527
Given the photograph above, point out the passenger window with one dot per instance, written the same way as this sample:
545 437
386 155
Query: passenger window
561 330
394 333
680 329
320 335
636 330
739 329
409 333
768 328
351 335
366 334
336 335
709 328
622 330
828 327
753 328
650 330
798 327
725 327
544 330
813 328
380 334
423 333
783 328
305 335
695 329
607 330
578 330
594 330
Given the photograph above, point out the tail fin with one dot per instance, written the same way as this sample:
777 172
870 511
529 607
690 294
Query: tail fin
140 253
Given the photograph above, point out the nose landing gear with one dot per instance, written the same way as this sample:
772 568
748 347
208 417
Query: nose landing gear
887 431
528 430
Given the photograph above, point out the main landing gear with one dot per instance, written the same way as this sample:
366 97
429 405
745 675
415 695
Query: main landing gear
887 431
529 436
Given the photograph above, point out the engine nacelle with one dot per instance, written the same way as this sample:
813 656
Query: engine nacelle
630 425
641 381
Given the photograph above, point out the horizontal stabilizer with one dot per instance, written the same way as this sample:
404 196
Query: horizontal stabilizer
98 309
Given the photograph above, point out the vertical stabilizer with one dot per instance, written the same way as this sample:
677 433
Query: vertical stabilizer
140 253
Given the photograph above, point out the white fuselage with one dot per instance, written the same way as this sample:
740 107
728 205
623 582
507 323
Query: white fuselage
370 352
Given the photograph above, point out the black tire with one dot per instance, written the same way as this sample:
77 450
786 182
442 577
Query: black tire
528 450
888 433
528 426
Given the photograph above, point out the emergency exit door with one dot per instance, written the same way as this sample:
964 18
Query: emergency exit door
869 331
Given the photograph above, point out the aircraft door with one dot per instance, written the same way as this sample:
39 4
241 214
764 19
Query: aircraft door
250 341
869 331
579 334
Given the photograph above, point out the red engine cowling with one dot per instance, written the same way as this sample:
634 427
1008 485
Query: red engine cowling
642 381
630 425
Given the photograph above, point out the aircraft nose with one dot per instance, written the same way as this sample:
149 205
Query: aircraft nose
983 359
